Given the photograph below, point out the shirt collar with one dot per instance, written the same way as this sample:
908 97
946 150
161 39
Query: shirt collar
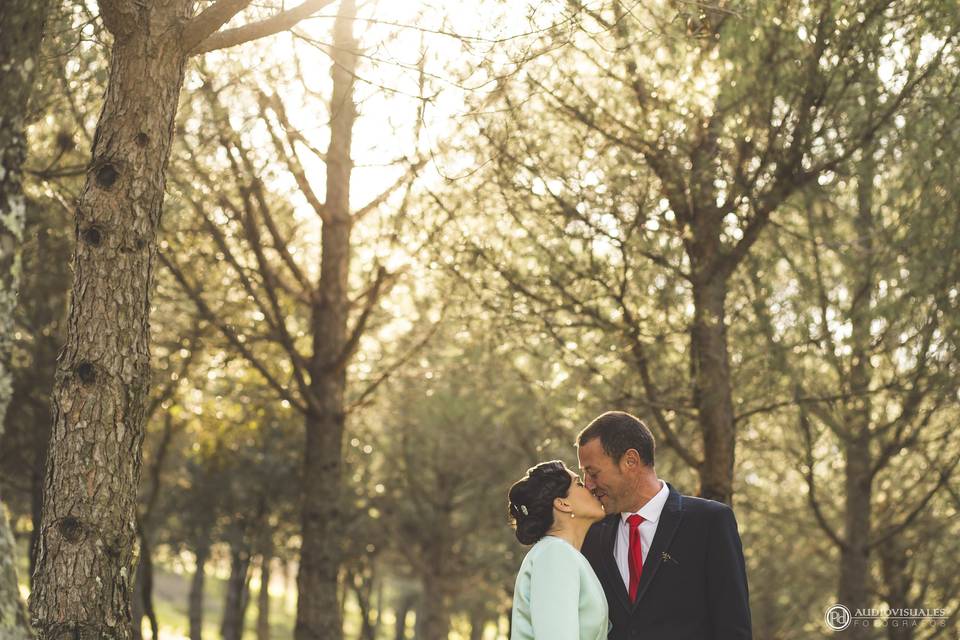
651 511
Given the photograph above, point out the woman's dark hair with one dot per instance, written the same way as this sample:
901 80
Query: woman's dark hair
531 499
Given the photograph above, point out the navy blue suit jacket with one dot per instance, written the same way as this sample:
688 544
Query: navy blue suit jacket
694 581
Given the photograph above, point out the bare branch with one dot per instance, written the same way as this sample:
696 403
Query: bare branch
812 484
373 296
404 179
363 398
210 20
230 334
280 22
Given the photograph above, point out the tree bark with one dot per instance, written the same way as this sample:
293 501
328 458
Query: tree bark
318 611
21 23
263 599
85 560
235 603
195 598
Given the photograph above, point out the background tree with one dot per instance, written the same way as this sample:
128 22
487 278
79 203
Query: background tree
307 310
656 186
21 24
103 375
870 346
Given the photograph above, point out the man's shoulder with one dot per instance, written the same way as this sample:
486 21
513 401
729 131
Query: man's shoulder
594 540
703 508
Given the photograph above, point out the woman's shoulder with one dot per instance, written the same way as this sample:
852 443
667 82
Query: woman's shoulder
553 549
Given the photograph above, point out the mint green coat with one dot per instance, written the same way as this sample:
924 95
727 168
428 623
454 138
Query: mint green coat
557 595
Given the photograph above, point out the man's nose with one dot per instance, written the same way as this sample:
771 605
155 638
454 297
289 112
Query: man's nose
588 483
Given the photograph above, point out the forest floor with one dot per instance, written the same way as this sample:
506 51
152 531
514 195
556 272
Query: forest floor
172 585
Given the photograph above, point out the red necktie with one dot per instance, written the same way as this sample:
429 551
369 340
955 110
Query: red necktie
635 555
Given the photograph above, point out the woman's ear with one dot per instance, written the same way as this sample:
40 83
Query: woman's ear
561 504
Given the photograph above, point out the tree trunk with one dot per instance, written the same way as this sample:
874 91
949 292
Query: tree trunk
195 599
896 578
477 622
400 625
318 606
433 618
318 612
21 23
364 595
854 583
234 608
85 562
143 591
36 499
13 615
853 590
137 612
710 369
263 600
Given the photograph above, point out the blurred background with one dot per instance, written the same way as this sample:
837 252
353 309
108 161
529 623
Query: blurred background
737 220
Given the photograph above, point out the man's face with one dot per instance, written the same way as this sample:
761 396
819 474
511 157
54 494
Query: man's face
602 476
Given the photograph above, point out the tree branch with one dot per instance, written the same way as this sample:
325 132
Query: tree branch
280 22
231 335
210 20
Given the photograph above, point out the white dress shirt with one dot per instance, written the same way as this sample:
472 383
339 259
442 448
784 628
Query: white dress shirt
650 512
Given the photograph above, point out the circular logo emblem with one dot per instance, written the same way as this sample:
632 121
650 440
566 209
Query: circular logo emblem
838 617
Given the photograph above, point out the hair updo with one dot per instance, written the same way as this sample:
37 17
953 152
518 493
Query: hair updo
531 499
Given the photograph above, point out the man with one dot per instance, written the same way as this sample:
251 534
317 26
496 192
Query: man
671 565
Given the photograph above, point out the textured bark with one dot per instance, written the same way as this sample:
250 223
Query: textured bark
21 26
237 595
318 611
195 597
85 560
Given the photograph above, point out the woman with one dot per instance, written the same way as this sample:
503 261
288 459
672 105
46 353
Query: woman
557 595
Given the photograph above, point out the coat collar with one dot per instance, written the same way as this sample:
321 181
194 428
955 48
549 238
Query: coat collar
670 519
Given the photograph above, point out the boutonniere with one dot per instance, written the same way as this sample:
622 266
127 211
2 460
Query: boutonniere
667 557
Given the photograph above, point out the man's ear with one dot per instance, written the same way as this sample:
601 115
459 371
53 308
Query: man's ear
630 459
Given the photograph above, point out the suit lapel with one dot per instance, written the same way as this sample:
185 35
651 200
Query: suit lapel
614 579
667 526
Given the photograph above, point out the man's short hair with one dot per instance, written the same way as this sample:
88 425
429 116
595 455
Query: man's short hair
620 431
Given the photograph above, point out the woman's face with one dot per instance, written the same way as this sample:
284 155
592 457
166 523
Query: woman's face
584 504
